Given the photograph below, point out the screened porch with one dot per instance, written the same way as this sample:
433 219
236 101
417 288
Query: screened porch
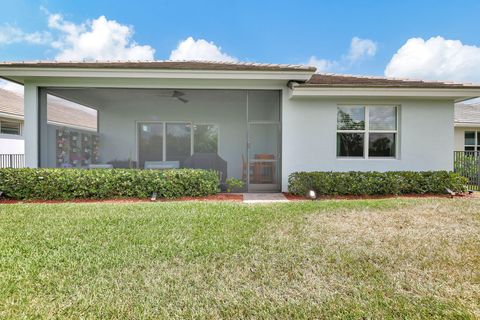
236 132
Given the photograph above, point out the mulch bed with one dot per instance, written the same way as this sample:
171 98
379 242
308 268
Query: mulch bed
293 197
217 197
237 198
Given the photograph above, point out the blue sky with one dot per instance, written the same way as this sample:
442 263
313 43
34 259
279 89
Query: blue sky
446 37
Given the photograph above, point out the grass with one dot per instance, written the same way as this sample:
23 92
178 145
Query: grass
392 258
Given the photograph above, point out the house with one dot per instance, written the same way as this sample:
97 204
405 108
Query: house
61 113
264 121
467 127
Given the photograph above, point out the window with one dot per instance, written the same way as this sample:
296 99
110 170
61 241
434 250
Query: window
472 140
174 141
10 127
178 141
366 131
205 138
150 142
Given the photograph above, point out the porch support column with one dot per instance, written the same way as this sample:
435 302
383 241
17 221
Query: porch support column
43 127
31 130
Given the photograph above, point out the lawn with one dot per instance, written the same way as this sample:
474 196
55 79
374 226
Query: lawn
391 258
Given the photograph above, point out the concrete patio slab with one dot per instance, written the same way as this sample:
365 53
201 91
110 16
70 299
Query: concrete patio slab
264 198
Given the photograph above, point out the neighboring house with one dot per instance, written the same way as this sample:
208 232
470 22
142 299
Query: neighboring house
259 121
467 127
60 113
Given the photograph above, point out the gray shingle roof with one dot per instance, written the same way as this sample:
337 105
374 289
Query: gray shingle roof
317 80
12 104
467 113
166 65
338 80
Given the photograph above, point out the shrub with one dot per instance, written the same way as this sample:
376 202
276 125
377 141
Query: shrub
375 183
51 184
234 184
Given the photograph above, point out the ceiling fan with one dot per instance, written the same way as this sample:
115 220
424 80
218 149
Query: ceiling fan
175 94
178 95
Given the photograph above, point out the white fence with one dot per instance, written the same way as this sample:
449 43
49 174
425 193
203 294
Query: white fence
12 160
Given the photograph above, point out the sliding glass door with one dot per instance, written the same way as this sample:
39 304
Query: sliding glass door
174 141
150 142
178 141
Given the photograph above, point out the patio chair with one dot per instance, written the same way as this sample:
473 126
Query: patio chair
207 161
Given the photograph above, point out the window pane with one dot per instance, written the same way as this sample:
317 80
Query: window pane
469 138
351 118
350 144
178 141
382 118
478 138
150 142
469 148
10 127
205 138
381 145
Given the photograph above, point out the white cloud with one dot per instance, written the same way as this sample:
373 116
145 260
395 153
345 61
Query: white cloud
358 51
98 39
191 49
361 48
322 65
10 34
436 59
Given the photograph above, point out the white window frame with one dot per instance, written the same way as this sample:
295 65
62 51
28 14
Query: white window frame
366 131
476 145
11 120
164 137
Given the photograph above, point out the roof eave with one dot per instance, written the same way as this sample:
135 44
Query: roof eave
467 124
22 73
456 93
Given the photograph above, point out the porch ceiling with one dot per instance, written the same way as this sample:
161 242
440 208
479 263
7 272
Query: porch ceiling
105 98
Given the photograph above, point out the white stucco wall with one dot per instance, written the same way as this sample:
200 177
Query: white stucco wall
426 140
426 135
11 144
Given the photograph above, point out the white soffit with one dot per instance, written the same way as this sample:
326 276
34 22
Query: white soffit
21 73
458 94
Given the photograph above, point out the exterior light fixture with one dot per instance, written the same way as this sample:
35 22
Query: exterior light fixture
153 197
311 194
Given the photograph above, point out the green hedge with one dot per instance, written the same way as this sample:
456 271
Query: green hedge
51 184
375 183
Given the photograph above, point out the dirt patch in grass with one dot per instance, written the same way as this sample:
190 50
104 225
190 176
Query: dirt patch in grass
216 197
429 249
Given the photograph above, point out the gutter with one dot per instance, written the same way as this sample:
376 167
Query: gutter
467 124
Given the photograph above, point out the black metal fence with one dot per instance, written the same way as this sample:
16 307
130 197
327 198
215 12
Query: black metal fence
467 164
12 160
